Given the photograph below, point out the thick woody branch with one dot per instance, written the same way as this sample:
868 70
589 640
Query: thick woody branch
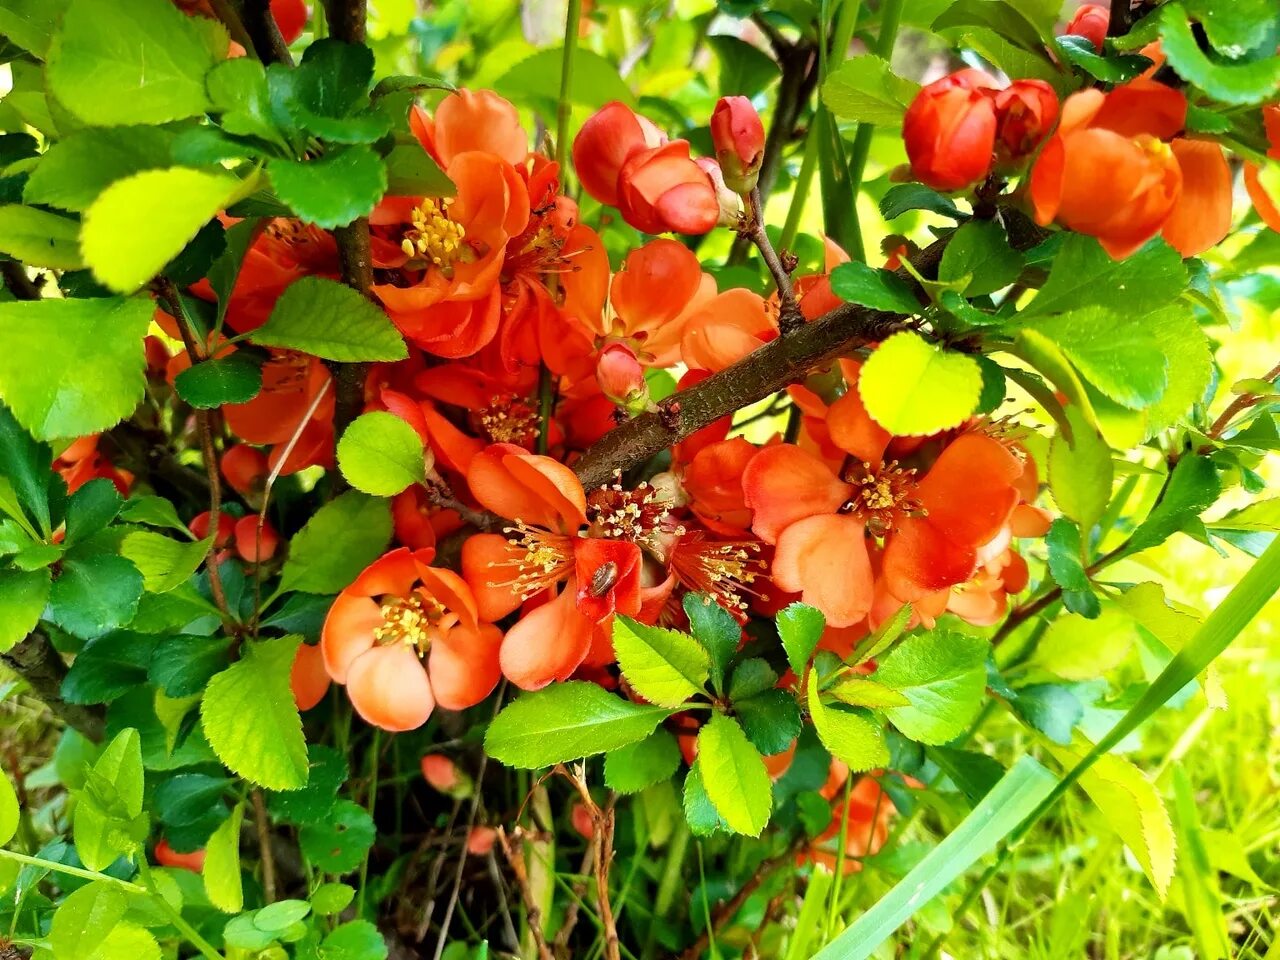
260 26
41 666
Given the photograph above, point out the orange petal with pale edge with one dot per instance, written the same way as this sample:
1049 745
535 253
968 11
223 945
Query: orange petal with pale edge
463 666
825 559
389 688
1202 215
783 484
348 632
547 643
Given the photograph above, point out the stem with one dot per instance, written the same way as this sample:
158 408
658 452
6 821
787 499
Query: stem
175 917
371 803
1238 405
1120 18
40 665
790 316
70 870
546 405
263 33
727 912
264 847
563 106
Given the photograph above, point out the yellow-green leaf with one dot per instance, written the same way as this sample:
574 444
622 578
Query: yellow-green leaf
912 387
222 865
39 238
665 666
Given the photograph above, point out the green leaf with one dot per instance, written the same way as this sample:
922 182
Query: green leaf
281 915
338 844
1052 709
332 190
715 629
944 676
751 677
976 774
313 803
1074 648
1067 568
849 735
23 596
90 509
902 197
39 238
153 511
745 70
640 765
251 720
342 538
1080 52
411 172
1193 488
354 940
913 388
1116 353
72 367
331 321
85 919
1131 806
1080 472
328 94
94 594
131 61
734 776
1005 19
25 462
800 629
861 692
165 564
1017 795
699 812
381 454
31 23
864 89
536 78
1247 82
211 383
666 667
238 91
771 720
140 223
1083 275
108 667
1234 28
567 721
979 253
9 815
856 282
108 820
183 665
127 941
331 898
221 870
74 170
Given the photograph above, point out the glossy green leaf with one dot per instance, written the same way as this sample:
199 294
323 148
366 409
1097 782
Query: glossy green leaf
94 594
332 190
903 197
1083 275
771 720
943 675
1117 354
74 170
165 564
211 383
1119 69
1247 82
39 238
715 629
339 843
864 89
1192 488
1066 566
342 538
23 596
856 282
800 628
852 736
639 765
979 256
330 320
734 776
381 454
666 667
85 919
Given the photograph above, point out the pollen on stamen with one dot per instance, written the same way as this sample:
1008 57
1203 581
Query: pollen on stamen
541 559
409 620
434 236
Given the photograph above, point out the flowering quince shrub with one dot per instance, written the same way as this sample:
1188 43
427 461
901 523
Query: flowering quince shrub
464 499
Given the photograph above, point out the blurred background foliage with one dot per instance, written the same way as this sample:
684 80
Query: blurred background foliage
1071 890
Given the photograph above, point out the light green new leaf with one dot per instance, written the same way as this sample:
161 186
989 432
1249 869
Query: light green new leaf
132 61
913 388
127 941
140 223
734 775
851 736
1080 471
9 814
341 539
331 321
31 24
381 454
72 367
108 820
165 564
1083 275
221 871
861 692
567 721
637 766
1076 648
865 89
1132 807
800 628
39 238
1116 353
665 666
251 719
595 80
1173 625
73 171
943 675
85 919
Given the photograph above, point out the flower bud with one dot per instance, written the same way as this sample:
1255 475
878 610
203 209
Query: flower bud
1091 22
480 840
738 135
199 526
1025 114
166 856
621 377
950 130
245 468
443 775
255 546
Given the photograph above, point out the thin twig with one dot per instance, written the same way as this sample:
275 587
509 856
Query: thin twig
264 34
1241 403
602 821
511 849
789 317
728 911
264 847
560 946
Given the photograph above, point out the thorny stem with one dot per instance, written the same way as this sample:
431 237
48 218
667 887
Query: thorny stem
204 428
790 316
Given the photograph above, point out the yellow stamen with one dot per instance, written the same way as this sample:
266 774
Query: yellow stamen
434 236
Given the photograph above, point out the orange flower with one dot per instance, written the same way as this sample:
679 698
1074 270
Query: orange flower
290 384
931 518
726 329
82 461
469 120
308 677
1025 114
1268 207
449 254
713 483
1109 172
541 553
397 614
950 130
1091 22
866 824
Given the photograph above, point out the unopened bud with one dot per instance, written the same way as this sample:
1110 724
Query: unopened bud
621 377
738 136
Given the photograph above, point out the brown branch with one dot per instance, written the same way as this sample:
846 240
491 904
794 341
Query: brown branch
602 822
228 14
263 32
1121 13
1241 403
36 661
790 317
346 19
20 285
511 849
264 844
